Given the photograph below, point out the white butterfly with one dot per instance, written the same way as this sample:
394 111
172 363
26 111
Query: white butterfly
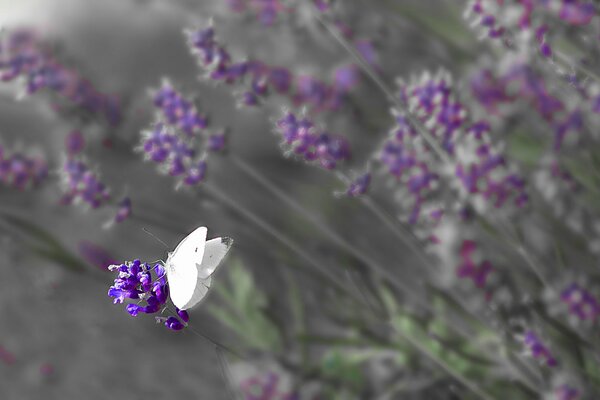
190 266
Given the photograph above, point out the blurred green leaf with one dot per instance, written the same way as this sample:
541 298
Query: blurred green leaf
244 310
525 148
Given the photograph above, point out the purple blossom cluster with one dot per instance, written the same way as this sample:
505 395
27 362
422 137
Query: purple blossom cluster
492 92
566 392
178 111
267 11
174 155
265 387
149 287
302 138
359 185
82 185
20 171
536 348
24 56
364 46
258 80
480 165
582 303
404 157
505 19
470 267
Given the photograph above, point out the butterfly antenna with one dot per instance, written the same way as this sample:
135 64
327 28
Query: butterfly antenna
155 237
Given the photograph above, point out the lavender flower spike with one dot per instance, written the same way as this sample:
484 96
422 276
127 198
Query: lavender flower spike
147 286
302 138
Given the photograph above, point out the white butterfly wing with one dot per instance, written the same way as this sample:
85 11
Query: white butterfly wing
182 270
214 252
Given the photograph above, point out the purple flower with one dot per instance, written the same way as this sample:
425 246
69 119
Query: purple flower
82 185
217 142
173 154
74 143
359 186
478 272
148 285
303 139
536 348
174 324
266 11
265 387
581 302
178 111
26 56
96 255
20 171
256 80
123 210
566 392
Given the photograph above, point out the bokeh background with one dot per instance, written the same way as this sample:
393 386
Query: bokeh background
62 338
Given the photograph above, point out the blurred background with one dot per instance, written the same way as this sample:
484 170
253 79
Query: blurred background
296 308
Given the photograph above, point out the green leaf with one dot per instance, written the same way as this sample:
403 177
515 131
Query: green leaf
525 148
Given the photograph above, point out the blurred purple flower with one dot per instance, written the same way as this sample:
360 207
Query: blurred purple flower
566 392
20 171
74 143
178 111
82 185
302 138
265 387
536 348
174 155
25 55
581 302
478 272
257 80
96 255
359 186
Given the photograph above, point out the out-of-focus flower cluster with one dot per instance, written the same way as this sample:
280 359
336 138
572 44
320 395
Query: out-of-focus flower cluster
149 287
581 303
174 155
23 56
538 350
21 171
519 83
267 11
178 111
521 21
302 138
265 387
179 141
257 80
82 185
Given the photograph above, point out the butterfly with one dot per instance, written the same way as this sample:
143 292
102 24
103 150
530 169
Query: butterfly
190 266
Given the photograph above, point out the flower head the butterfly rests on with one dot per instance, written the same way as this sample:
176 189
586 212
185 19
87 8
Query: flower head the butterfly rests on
185 277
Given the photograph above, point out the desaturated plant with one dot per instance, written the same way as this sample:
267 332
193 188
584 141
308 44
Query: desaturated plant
482 167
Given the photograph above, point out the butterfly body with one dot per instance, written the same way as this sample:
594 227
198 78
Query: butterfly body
190 267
